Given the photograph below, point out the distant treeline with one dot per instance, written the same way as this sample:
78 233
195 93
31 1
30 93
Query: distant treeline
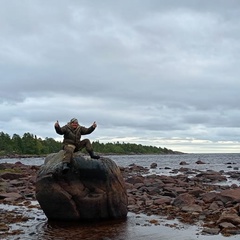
30 144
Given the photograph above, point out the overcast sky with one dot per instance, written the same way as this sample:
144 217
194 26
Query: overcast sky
151 72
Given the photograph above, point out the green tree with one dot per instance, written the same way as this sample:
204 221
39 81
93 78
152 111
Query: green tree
5 143
17 143
29 144
50 145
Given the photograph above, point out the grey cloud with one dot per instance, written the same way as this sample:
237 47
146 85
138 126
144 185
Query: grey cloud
152 70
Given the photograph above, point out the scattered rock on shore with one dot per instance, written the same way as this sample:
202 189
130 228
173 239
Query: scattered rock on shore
189 199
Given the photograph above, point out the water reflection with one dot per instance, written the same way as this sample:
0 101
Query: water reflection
134 227
117 229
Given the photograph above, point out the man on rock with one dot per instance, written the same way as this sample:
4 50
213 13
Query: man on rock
72 132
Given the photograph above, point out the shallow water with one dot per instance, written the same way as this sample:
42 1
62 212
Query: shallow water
134 226
217 162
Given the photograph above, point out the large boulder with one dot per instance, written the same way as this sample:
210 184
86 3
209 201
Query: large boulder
91 190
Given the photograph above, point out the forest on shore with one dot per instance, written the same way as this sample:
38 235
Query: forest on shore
30 144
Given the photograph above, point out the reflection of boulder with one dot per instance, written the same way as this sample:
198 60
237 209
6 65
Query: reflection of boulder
92 189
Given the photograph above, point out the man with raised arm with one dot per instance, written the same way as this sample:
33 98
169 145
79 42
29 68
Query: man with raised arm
72 133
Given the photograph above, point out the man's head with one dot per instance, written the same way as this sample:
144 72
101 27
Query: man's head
74 122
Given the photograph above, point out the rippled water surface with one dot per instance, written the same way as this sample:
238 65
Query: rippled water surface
134 227
213 161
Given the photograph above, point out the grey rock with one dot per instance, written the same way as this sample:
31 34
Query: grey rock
91 190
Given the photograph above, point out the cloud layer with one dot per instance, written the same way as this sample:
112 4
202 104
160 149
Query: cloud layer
149 72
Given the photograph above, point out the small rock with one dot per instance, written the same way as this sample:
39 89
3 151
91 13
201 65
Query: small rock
211 231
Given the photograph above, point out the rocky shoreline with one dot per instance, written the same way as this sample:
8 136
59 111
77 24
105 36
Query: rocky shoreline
191 196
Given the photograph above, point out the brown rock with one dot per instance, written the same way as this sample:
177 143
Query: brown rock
192 208
210 176
230 195
11 176
177 190
9 197
3 227
230 218
209 197
196 192
153 165
134 179
214 206
92 189
184 199
226 225
183 163
163 200
211 231
200 162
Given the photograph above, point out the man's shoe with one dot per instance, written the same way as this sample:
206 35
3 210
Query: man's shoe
95 156
65 168
92 155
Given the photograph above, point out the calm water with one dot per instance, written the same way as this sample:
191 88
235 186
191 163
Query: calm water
165 163
135 226
212 160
